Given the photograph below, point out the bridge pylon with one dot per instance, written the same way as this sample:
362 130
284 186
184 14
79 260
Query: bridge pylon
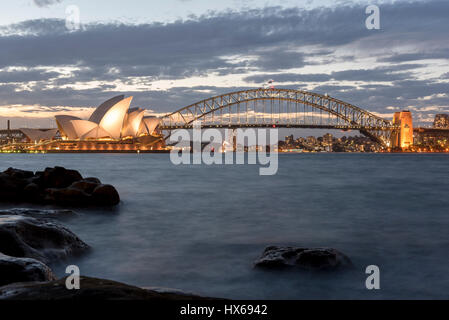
403 137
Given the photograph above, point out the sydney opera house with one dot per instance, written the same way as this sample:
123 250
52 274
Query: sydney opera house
113 126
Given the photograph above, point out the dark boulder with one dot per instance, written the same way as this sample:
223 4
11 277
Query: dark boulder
106 195
93 180
32 191
18 174
39 239
275 257
55 186
37 179
67 196
11 187
90 289
14 269
85 185
59 177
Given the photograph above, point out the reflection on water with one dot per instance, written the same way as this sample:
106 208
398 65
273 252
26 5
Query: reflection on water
199 228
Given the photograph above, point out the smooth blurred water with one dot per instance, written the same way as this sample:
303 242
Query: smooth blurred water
199 228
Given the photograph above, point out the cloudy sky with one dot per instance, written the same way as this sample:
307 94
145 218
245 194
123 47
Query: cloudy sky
171 53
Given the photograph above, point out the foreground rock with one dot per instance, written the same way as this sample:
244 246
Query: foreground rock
39 239
90 289
38 213
55 186
14 269
305 258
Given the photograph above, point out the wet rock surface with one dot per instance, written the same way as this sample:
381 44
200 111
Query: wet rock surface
40 239
29 240
316 259
90 289
13 269
39 213
56 185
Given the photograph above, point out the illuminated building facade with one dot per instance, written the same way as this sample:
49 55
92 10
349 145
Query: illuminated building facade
113 119
37 135
113 126
404 138
441 121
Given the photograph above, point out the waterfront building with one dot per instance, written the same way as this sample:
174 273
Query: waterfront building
441 121
113 119
112 127
37 135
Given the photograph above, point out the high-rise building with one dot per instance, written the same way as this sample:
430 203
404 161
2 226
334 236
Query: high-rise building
327 139
311 140
289 139
441 121
327 142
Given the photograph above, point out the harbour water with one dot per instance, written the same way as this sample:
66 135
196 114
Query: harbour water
199 228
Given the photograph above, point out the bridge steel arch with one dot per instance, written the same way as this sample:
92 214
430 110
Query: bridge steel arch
345 115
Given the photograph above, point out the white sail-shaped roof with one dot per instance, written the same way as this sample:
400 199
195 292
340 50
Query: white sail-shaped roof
39 134
65 126
82 127
132 122
99 113
149 124
114 118
96 133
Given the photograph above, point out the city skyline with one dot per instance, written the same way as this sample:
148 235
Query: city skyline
168 64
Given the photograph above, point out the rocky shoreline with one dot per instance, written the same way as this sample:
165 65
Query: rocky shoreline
31 238
90 289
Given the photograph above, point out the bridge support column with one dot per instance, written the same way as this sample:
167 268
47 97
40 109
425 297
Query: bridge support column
404 137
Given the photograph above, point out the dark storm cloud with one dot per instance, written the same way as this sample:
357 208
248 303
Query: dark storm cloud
278 59
288 77
45 3
378 74
183 48
29 28
402 94
439 54
389 73
193 44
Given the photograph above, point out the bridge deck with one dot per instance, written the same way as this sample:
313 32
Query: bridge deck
272 125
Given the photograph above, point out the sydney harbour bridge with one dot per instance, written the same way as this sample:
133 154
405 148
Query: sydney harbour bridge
281 108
